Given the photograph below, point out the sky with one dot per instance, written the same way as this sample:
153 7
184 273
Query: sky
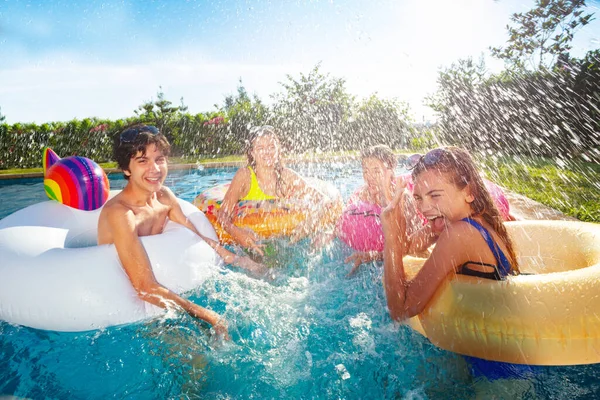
68 59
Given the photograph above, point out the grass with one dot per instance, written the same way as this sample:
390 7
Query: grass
572 188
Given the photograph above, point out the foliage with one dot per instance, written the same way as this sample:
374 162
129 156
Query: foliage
243 113
542 35
458 103
21 145
377 121
162 114
536 113
312 111
423 137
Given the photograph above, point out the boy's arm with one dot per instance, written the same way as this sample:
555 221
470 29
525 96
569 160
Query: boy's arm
176 215
135 262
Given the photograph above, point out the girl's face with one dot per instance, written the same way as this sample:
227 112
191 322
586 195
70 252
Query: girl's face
373 172
265 150
437 196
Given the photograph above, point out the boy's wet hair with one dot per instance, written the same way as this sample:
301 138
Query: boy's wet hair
135 139
382 153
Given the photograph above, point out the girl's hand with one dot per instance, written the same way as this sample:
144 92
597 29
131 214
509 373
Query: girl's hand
249 239
307 227
395 206
300 232
393 220
359 258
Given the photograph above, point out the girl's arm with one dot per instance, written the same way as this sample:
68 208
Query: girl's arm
239 187
394 276
407 298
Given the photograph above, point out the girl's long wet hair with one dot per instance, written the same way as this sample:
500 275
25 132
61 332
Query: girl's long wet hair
459 166
255 133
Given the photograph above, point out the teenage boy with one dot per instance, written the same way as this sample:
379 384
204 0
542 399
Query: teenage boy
142 209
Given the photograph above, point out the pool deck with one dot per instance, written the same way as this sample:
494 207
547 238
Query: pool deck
521 207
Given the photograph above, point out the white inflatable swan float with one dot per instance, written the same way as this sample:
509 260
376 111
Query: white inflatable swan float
53 276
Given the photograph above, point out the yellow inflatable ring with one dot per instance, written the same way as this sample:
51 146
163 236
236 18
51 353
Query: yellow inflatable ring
268 218
549 315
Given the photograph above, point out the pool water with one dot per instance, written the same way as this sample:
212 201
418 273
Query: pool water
311 333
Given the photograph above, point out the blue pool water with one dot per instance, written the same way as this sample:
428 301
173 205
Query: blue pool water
311 333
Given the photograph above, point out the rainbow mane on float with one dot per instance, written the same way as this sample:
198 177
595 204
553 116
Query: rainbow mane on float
75 181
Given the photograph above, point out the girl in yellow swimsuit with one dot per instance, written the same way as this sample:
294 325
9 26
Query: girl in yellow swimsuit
265 178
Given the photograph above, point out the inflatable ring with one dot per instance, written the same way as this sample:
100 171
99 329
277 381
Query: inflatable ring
53 276
360 226
549 315
268 218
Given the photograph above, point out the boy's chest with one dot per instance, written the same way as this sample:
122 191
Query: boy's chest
151 220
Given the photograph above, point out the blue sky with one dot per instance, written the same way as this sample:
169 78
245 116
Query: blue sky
75 59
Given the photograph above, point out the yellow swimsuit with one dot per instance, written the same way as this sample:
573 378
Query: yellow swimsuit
255 193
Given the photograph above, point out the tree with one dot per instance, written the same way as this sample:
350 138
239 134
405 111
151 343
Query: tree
458 102
162 114
542 35
243 112
378 121
2 117
312 111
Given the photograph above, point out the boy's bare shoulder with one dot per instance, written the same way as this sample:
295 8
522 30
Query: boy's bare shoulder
166 196
115 207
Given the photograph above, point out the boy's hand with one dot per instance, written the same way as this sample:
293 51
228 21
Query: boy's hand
252 266
220 329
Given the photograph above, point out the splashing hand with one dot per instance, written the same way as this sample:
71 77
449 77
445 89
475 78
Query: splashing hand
358 259
252 266
220 329
301 231
249 239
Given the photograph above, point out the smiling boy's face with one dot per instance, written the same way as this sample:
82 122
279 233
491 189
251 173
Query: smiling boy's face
148 171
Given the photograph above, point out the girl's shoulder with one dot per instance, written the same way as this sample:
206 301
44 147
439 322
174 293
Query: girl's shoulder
460 234
243 173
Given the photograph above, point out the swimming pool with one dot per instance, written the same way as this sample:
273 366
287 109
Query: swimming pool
312 333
